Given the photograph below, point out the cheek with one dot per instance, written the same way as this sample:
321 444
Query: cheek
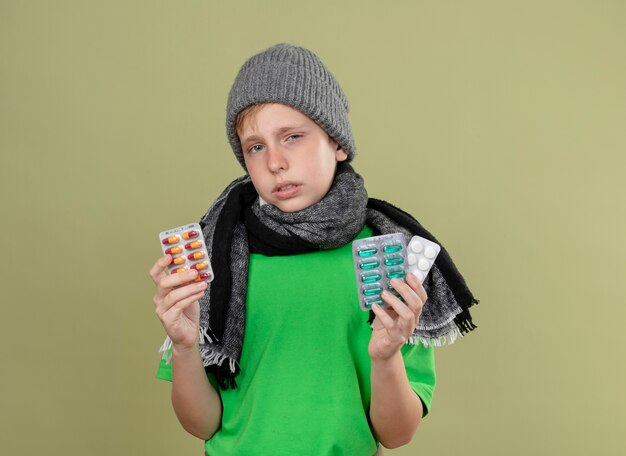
325 173
255 176
325 164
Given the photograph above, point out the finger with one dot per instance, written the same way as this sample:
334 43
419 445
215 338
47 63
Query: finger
393 326
396 303
410 296
407 318
180 294
389 311
397 310
417 286
179 279
179 307
166 284
158 269
383 317
167 292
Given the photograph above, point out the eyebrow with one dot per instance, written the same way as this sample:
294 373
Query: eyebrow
278 132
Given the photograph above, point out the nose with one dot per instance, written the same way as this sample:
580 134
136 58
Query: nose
276 159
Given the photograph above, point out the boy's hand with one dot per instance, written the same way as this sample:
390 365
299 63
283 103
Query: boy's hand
395 324
176 302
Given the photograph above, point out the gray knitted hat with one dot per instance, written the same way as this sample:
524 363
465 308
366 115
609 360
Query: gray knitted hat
294 76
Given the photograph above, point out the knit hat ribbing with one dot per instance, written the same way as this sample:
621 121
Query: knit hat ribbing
294 76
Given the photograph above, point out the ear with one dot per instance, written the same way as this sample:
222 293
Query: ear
340 155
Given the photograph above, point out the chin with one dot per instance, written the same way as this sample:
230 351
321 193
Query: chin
291 206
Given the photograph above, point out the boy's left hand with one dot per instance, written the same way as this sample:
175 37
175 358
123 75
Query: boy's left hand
395 323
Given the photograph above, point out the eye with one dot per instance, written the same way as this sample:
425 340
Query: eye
254 149
294 137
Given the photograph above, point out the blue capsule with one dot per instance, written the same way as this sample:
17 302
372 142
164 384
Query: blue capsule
394 260
395 273
372 290
392 247
367 251
371 301
370 277
369 264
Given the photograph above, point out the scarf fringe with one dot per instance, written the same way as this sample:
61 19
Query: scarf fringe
464 319
166 350
446 339
166 346
211 357
224 373
212 361
205 337
441 324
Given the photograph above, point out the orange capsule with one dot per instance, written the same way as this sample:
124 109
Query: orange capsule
171 240
190 234
196 256
178 260
193 245
199 266
177 270
203 276
174 250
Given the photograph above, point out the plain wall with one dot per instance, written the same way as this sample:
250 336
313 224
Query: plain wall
498 124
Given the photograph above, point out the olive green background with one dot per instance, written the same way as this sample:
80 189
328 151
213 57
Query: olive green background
500 125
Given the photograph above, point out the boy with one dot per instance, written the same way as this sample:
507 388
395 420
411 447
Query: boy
275 356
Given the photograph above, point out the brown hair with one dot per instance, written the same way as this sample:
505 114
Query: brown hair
247 115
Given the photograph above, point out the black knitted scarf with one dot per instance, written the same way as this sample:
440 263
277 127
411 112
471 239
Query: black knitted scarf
237 225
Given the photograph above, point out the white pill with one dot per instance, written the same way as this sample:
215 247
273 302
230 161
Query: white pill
423 264
416 246
430 252
412 258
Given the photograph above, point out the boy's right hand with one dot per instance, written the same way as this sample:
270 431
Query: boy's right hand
176 302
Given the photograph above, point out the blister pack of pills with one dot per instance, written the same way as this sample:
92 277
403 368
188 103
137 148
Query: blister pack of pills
186 245
379 259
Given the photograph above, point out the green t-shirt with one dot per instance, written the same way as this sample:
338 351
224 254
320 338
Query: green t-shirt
304 386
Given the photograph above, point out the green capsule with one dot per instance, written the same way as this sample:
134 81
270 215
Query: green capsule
392 247
371 301
369 264
372 290
393 260
369 277
395 273
367 250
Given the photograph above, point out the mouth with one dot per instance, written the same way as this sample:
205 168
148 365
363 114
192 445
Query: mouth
284 190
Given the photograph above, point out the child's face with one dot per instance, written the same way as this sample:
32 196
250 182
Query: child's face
291 160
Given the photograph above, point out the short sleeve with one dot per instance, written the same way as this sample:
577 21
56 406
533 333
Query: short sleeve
419 362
